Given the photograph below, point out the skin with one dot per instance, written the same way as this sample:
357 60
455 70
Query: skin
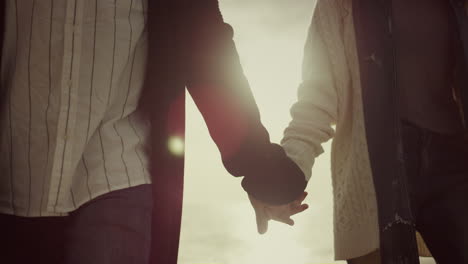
265 212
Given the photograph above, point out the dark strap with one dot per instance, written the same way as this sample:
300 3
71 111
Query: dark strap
2 25
163 89
2 33
461 71
376 59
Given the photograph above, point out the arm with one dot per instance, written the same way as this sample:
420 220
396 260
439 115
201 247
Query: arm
222 94
317 108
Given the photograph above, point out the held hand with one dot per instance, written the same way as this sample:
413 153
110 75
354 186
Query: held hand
265 212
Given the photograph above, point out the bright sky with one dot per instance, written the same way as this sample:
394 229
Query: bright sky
218 222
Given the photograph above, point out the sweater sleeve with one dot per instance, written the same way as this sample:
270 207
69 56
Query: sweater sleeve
316 110
222 93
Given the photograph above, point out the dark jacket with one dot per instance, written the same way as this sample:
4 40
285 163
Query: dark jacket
373 25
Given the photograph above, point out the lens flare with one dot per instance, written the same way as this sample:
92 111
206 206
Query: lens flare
176 145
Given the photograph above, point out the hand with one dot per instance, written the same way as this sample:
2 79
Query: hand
265 212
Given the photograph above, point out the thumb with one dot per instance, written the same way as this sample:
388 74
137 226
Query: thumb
261 215
262 221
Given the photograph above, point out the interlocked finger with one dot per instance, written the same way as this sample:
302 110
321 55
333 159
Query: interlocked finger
299 209
281 215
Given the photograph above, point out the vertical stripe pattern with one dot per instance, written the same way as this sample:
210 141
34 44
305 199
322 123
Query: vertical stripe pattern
72 132
30 105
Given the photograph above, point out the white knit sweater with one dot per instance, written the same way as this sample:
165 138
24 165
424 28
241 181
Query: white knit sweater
331 94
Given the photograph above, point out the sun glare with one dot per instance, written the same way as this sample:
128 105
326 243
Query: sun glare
176 145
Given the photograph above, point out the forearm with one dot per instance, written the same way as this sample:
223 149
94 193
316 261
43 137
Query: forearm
311 125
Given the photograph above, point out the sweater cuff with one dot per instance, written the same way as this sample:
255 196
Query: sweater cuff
302 154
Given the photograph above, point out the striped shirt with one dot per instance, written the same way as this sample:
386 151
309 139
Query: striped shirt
74 70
